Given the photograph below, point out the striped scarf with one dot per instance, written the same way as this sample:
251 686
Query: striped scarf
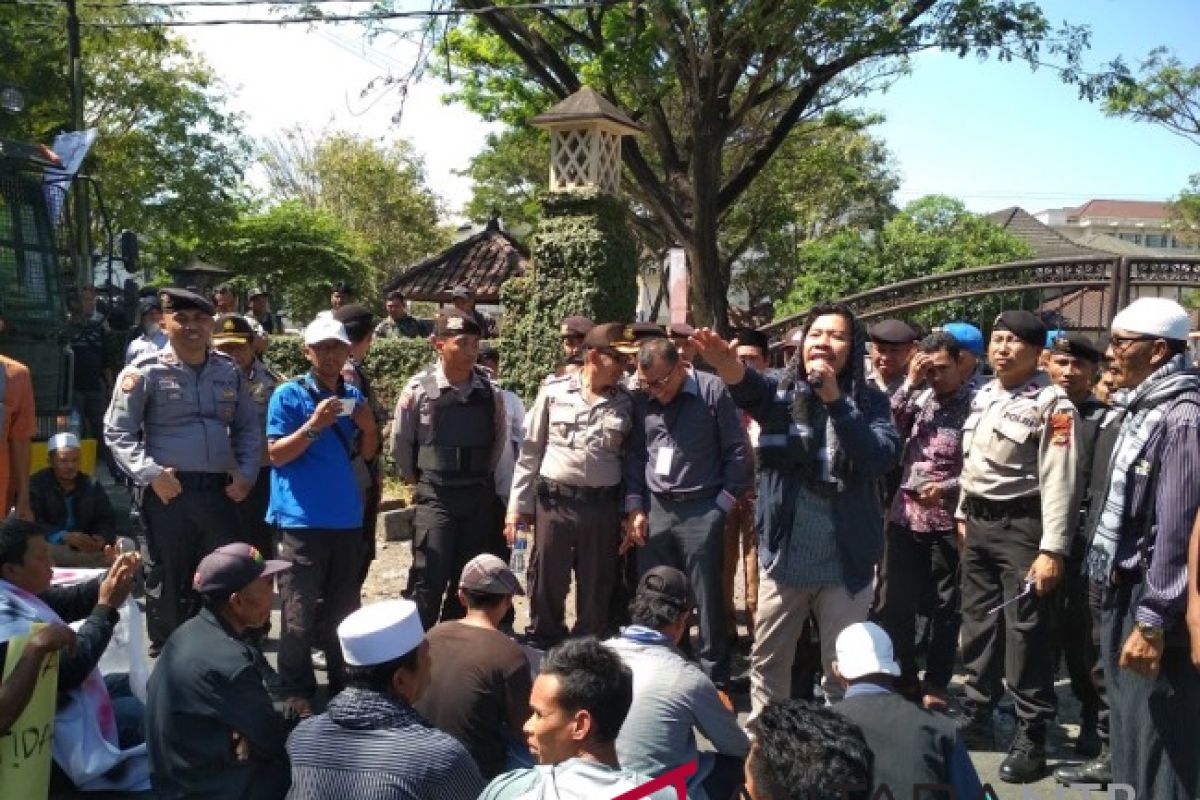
1147 406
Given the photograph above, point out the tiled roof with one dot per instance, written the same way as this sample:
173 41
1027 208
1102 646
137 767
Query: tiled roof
482 262
1127 209
1045 241
585 104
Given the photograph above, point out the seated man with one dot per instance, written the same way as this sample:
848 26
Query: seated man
73 506
580 700
26 597
212 730
672 696
483 701
802 751
371 744
912 746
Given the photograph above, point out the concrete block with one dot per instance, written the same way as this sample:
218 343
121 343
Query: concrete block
398 524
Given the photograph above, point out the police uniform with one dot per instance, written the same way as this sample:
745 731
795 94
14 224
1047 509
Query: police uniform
568 477
449 441
1020 452
202 423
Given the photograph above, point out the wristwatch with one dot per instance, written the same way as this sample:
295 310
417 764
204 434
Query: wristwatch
1151 633
311 433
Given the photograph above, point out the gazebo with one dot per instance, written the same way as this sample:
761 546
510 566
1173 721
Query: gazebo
482 262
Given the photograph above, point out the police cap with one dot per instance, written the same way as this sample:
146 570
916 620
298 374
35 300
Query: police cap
181 299
452 322
575 326
1025 325
612 335
646 330
232 329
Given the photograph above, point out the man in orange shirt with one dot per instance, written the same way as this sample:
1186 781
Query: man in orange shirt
20 424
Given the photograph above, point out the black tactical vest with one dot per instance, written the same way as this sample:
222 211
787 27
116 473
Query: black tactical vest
457 447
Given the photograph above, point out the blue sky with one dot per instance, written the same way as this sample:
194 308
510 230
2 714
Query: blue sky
997 134
993 134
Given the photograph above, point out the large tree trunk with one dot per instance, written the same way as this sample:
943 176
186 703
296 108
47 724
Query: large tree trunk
709 292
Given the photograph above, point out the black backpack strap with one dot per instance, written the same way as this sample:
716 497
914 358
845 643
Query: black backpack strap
306 382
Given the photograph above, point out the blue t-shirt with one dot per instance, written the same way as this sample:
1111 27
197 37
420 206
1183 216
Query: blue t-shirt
318 489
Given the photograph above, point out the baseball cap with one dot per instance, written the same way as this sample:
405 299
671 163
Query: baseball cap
232 329
864 648
325 329
231 568
612 334
62 441
667 583
489 574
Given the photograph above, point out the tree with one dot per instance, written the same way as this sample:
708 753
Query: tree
932 234
376 191
168 155
720 85
508 176
294 251
1165 93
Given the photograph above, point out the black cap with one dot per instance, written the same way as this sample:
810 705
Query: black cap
613 335
752 338
181 299
680 330
892 331
667 583
575 326
1078 346
232 329
646 330
452 322
232 568
1025 325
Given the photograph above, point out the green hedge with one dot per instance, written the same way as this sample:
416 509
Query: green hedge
391 362
584 262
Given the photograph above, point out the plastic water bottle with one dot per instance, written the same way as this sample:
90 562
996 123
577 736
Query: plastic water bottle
519 560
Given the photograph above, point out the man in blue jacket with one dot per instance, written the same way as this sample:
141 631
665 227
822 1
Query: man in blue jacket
826 439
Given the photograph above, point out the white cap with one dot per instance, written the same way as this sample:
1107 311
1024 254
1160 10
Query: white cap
864 648
325 329
1154 316
381 632
62 441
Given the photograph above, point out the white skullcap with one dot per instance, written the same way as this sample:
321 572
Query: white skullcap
864 648
62 441
1154 316
381 632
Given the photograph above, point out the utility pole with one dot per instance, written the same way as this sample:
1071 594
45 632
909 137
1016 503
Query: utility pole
83 243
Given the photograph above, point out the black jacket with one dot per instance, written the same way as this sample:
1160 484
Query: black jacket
93 511
207 684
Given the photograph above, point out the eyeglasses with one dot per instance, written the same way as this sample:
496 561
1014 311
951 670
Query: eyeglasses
1120 343
660 383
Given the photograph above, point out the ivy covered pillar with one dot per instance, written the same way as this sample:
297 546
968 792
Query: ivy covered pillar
584 255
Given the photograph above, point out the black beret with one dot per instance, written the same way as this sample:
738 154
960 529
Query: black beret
353 312
1078 346
181 299
1025 325
452 322
893 331
752 338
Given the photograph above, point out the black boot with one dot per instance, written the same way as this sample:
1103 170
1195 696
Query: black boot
1088 744
1098 770
1026 761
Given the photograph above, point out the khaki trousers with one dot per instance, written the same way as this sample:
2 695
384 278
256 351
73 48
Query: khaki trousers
740 546
782 611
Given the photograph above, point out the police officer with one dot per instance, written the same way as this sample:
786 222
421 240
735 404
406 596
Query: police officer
1016 510
567 484
449 433
571 332
234 335
182 424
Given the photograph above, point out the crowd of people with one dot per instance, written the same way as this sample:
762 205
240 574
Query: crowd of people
897 501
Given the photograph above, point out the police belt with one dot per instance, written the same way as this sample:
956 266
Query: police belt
459 461
197 481
1016 508
684 497
547 488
